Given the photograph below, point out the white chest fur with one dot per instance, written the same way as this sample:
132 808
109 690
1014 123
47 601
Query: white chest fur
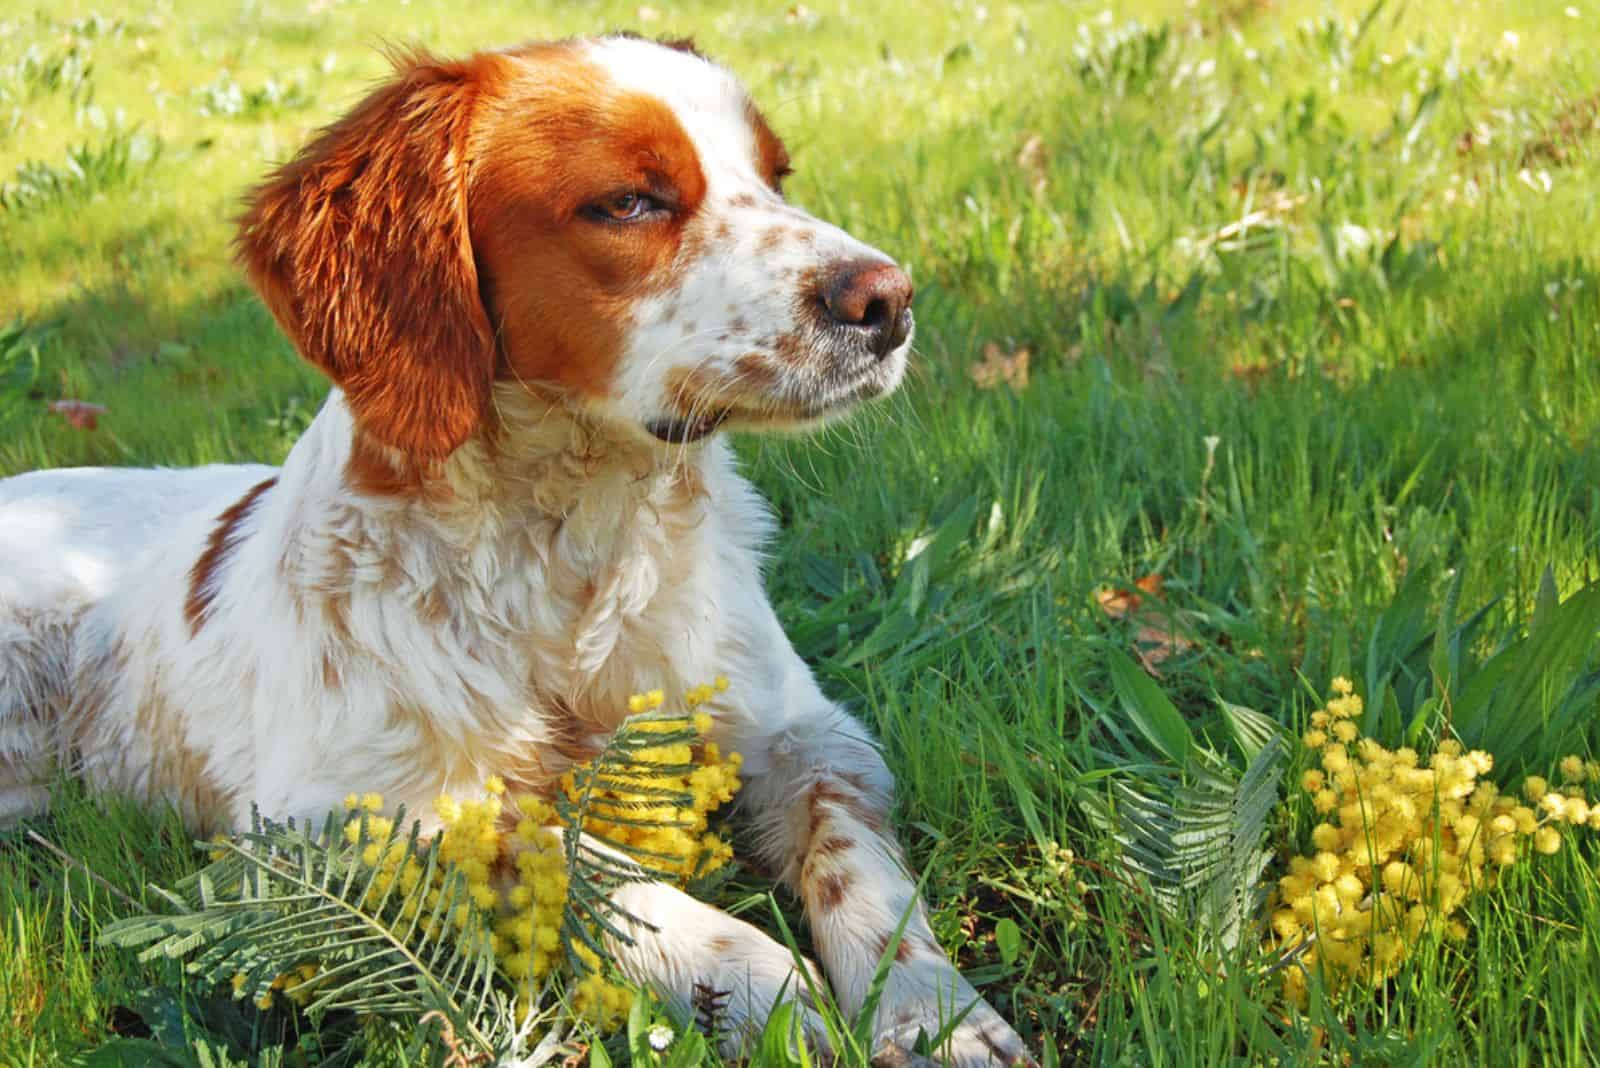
416 643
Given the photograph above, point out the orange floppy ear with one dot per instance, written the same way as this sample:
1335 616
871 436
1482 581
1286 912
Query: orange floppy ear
360 248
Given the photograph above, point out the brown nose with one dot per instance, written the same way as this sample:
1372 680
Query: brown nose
872 296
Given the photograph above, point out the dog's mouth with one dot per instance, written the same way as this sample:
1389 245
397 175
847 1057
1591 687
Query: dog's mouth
685 431
688 431
748 410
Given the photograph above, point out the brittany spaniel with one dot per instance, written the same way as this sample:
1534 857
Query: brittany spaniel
541 280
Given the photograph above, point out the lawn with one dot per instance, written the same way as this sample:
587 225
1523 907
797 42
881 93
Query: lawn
1309 303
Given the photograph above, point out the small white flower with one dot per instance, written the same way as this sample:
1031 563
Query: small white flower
1538 181
661 1037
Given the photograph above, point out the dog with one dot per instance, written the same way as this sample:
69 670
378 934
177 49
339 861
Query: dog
542 281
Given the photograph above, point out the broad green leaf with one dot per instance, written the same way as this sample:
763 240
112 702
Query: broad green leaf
1251 729
1156 717
1008 940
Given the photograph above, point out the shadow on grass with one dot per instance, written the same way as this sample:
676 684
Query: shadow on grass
207 380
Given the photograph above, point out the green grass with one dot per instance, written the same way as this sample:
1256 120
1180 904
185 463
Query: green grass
1394 365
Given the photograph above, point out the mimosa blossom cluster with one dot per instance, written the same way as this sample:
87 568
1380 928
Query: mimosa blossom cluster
488 838
1403 844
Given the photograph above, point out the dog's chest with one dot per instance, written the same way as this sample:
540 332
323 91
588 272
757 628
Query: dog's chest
619 599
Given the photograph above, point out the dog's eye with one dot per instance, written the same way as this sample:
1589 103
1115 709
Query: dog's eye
625 207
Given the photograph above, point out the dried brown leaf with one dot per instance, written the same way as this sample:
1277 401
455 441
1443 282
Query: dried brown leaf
999 366
83 415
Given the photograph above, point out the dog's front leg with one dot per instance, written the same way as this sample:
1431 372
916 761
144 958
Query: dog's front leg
709 967
819 795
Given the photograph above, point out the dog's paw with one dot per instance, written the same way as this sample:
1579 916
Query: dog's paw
719 972
750 978
920 999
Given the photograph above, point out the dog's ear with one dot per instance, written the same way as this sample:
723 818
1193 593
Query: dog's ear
360 247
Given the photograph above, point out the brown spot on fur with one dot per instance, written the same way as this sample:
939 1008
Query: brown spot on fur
207 569
434 607
827 792
720 945
336 616
830 891
790 348
695 390
772 239
743 200
724 230
902 952
752 369
330 673
157 747
568 736
909 947
852 803
832 846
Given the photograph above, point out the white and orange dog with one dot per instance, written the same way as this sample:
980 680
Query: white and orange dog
541 281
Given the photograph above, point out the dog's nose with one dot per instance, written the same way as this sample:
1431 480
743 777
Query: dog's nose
873 296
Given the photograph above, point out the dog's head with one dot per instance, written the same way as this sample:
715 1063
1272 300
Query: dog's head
603 219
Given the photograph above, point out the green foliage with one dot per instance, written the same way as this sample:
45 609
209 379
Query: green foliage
281 898
41 69
89 168
1194 827
1528 698
1125 60
20 342
224 96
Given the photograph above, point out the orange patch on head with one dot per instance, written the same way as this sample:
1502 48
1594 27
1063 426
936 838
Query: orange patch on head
560 281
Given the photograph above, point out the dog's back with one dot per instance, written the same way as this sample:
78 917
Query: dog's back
68 538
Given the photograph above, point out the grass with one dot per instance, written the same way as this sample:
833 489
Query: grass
1311 299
